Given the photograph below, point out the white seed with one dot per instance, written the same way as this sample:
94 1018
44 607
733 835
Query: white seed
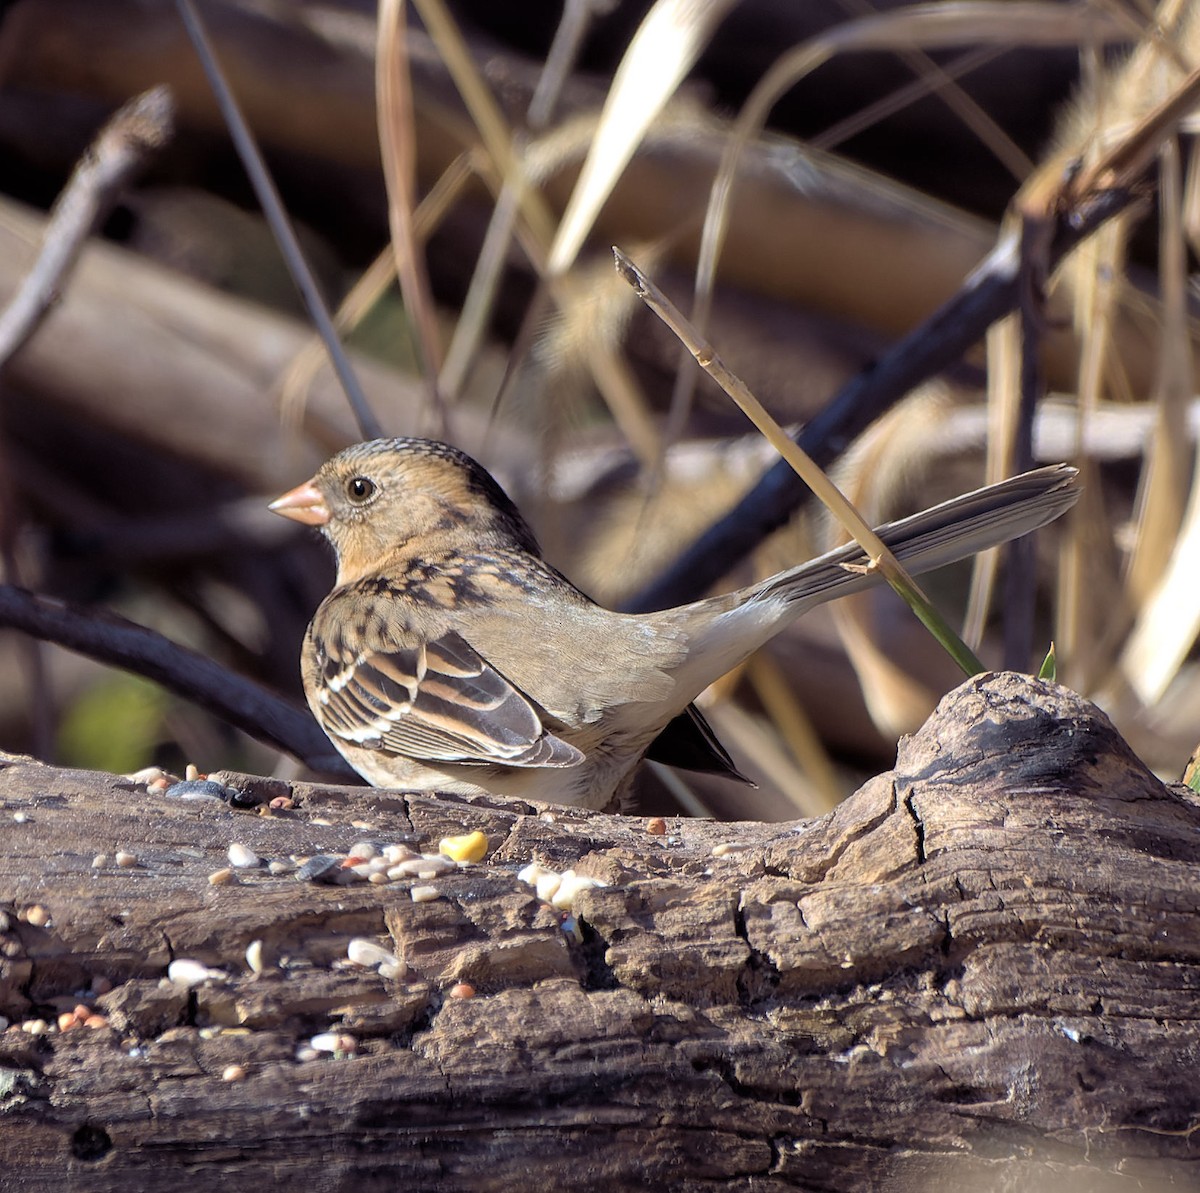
279 867
379 878
185 972
730 847
306 1053
424 894
35 1027
368 954
530 873
123 857
363 850
146 775
547 884
571 885
100 861
234 1073
254 956
393 970
20 817
399 853
242 856
37 915
333 1041
223 877
192 773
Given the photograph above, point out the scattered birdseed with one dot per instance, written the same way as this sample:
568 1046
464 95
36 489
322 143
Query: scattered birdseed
399 853
185 972
368 954
125 859
37 915
223 877
234 1073
469 847
280 867
35 1027
94 1022
362 824
66 1021
159 784
282 801
323 821
656 826
559 890
254 956
198 789
462 990
424 894
100 861
20 817
379 878
364 851
242 856
191 773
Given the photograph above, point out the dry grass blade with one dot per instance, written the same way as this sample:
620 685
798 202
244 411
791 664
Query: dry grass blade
1164 485
295 382
662 51
481 294
394 103
277 217
931 26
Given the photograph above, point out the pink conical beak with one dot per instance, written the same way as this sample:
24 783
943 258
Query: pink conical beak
305 503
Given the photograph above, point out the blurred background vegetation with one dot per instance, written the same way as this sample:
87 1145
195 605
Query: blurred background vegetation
174 387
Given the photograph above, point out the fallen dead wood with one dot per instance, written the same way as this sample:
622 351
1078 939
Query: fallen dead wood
980 970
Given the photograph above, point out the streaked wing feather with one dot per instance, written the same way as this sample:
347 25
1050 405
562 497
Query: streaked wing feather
439 702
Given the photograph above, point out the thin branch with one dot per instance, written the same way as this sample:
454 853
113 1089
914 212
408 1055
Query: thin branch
139 127
281 226
111 639
991 292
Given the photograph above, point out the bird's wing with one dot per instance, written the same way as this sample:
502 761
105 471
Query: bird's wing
438 701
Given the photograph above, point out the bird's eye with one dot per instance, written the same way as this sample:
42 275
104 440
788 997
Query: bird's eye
360 490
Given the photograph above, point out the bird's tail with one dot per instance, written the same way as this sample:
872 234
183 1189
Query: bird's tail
939 535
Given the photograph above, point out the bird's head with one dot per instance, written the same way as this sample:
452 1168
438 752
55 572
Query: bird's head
374 497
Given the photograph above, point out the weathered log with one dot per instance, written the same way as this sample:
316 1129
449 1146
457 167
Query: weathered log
982 969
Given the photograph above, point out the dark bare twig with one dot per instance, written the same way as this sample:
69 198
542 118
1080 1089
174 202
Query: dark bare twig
142 125
281 226
110 639
990 293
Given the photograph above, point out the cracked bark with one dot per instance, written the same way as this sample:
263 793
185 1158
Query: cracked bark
981 971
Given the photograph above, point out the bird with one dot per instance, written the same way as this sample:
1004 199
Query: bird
450 657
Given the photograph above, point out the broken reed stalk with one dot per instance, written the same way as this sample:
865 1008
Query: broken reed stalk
880 558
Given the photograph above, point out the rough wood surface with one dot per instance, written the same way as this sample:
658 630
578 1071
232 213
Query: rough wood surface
980 972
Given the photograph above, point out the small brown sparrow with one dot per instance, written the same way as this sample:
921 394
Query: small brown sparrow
450 657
